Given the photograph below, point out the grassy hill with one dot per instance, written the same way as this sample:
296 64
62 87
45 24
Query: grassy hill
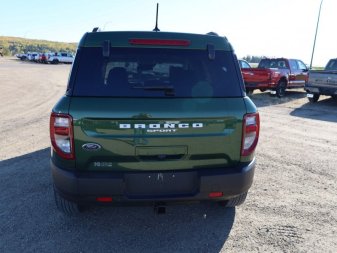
14 45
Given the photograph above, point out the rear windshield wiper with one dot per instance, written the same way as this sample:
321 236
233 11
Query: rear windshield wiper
169 90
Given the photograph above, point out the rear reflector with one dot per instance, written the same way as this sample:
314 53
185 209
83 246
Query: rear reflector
215 194
104 199
160 42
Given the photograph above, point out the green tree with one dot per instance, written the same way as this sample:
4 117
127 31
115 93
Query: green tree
14 45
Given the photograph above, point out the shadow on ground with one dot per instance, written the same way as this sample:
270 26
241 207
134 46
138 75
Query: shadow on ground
324 109
263 99
29 221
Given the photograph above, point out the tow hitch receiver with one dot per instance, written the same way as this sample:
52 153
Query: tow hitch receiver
160 208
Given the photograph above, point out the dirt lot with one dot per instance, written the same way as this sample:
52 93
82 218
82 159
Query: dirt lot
292 206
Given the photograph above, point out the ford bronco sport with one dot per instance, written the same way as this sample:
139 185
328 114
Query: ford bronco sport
153 117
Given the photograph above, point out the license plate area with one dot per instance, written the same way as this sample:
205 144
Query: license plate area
161 184
309 95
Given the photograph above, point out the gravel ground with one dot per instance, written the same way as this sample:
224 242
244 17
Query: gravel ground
291 207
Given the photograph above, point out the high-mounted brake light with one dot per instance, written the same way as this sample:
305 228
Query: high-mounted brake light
61 135
160 42
250 133
104 199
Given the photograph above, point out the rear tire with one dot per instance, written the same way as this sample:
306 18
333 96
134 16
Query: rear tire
55 61
65 206
281 89
314 99
234 201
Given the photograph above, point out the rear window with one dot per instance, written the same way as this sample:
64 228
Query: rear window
332 65
273 63
143 72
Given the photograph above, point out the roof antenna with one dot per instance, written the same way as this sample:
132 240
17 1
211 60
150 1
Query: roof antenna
156 29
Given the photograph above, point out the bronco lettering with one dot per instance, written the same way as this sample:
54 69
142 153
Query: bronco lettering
159 126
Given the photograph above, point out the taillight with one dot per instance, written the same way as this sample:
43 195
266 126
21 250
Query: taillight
250 133
269 76
276 74
61 135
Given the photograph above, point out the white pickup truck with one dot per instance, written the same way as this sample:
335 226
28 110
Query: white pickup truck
61 58
322 82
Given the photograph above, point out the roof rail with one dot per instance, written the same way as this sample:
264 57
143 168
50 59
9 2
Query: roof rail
96 29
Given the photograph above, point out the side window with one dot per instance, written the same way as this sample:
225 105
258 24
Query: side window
332 65
282 65
301 65
293 65
245 65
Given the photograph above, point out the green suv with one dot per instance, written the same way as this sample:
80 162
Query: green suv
153 117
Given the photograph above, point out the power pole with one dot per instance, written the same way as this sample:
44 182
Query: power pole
313 48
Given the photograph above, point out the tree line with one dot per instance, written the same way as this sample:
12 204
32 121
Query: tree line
253 59
13 45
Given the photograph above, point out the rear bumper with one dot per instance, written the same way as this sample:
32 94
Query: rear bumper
264 85
329 91
188 185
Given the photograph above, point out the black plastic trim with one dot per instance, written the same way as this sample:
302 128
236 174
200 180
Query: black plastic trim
86 186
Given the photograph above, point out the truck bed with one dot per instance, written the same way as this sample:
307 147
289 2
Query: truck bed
322 82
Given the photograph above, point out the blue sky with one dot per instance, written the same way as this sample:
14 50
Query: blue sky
272 28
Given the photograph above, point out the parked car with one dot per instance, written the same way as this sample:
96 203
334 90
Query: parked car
61 57
322 82
43 57
37 57
147 118
32 56
21 56
276 75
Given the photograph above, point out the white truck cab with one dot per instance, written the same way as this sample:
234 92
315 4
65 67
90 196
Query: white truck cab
61 57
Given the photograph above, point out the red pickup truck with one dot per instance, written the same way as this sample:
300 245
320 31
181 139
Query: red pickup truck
276 75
